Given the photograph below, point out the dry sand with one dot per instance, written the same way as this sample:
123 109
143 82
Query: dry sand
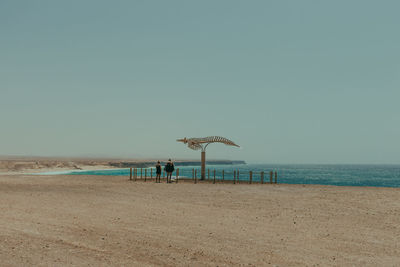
101 221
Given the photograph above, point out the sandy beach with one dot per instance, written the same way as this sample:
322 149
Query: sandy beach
102 221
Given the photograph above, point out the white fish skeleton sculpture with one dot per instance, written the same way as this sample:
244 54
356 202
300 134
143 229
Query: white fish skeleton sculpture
198 143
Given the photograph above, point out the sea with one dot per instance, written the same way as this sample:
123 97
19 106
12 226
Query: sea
321 174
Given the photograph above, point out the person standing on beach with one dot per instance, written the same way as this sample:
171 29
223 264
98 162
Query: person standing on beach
169 168
158 172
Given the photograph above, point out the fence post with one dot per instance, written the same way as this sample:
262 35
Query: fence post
151 173
270 177
145 174
234 177
214 176
223 176
251 177
237 176
262 177
195 176
130 176
177 175
276 177
208 177
135 173
141 173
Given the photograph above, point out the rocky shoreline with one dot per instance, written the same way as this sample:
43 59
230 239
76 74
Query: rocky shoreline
146 164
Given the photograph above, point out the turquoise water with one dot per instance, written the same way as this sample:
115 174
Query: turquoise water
341 175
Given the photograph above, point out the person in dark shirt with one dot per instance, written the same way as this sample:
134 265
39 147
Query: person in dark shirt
169 168
158 172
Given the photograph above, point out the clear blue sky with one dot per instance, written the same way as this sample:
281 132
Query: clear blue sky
289 81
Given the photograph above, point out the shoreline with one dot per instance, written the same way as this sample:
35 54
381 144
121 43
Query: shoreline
188 180
367 177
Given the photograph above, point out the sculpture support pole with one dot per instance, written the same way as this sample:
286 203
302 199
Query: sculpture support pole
202 143
203 165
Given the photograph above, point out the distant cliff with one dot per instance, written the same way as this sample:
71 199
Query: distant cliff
127 164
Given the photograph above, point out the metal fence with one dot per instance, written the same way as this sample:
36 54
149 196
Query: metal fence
212 176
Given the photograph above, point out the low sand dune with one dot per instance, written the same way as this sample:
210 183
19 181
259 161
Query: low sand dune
36 164
20 165
103 221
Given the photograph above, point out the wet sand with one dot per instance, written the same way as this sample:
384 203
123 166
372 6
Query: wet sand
103 220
